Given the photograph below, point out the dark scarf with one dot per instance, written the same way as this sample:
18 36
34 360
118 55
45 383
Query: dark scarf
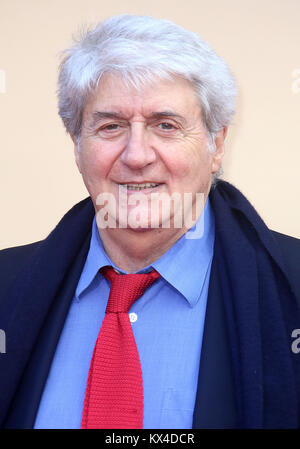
260 306
261 311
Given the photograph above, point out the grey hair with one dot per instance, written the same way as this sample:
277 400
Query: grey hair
140 49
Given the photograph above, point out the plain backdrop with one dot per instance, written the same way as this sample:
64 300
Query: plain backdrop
259 39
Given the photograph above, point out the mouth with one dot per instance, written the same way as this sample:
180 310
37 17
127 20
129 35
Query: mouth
140 186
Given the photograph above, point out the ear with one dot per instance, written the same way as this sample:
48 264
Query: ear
219 149
76 151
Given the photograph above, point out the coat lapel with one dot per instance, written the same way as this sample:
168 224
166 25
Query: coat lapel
215 406
50 274
24 407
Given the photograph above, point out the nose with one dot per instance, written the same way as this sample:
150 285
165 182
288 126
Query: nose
138 152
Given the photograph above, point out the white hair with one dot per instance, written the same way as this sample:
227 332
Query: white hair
140 49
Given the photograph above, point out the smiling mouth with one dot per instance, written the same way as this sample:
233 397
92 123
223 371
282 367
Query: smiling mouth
142 186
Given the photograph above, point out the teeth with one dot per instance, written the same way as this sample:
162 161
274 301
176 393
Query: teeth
146 185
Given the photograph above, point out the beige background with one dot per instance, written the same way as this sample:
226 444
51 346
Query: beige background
260 39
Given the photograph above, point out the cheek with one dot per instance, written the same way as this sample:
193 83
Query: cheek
183 164
94 163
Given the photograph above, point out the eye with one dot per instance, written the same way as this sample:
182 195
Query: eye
166 126
111 127
110 130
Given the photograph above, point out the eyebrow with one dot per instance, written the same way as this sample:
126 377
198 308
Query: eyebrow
166 114
97 116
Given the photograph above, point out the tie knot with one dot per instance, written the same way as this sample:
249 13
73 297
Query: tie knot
125 289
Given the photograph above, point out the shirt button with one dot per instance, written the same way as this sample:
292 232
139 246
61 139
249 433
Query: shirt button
133 317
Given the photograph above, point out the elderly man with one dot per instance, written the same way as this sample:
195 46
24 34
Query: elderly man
162 300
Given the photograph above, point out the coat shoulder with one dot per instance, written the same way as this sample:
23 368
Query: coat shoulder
290 250
290 246
12 260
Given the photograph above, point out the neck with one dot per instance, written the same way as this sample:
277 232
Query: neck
132 250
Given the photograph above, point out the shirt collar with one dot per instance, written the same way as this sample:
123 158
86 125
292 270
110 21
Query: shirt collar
185 265
96 259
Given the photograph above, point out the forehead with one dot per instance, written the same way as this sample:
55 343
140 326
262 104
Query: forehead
113 94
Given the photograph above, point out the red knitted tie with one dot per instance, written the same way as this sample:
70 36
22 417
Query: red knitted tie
114 391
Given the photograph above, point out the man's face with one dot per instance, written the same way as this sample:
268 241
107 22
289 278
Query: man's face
152 136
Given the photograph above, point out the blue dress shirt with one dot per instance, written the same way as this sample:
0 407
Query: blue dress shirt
167 323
